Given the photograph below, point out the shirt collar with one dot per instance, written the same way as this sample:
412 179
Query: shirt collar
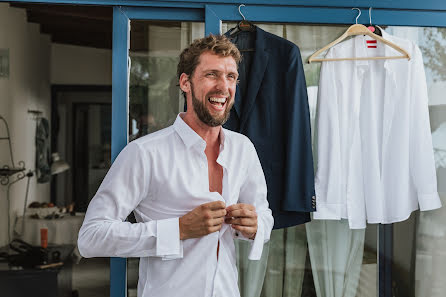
190 137
361 51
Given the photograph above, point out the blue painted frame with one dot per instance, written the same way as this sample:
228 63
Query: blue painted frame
425 5
215 14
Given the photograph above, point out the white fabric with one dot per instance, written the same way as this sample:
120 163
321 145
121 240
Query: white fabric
336 255
162 176
375 156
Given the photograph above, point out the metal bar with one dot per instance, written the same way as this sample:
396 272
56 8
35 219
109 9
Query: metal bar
394 4
212 24
121 35
163 13
385 248
327 15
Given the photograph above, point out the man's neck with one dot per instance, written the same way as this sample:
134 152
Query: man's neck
209 134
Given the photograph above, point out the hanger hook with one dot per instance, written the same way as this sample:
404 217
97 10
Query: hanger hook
359 10
241 11
370 15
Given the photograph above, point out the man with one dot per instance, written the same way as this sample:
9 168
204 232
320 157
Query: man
193 188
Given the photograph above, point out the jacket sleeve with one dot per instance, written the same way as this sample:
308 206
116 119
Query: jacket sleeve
299 169
253 191
328 180
422 164
105 233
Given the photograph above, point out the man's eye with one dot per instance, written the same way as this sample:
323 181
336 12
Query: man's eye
211 74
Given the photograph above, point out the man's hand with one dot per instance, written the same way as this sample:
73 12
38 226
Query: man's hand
243 217
203 220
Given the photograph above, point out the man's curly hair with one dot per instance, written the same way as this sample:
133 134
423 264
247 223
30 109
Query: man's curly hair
217 44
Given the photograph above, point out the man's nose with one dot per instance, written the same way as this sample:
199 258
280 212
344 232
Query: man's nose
223 84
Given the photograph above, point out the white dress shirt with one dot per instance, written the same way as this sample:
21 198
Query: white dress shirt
374 145
161 177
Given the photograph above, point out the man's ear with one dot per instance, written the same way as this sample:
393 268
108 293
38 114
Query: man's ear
184 82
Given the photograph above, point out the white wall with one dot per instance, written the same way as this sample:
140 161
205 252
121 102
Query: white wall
77 65
28 87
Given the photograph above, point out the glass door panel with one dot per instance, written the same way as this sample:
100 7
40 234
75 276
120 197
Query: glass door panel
420 242
154 96
320 258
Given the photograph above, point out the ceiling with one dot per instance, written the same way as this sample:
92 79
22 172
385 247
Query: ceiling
90 26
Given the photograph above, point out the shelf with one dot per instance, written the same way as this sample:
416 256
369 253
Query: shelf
10 171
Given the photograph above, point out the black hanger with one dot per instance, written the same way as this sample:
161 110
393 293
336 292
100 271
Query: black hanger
243 26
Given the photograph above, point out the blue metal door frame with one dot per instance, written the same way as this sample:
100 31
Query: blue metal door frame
214 15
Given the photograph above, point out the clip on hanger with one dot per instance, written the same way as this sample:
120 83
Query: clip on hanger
358 29
373 28
243 25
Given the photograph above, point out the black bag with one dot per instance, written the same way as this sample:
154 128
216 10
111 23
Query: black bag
28 256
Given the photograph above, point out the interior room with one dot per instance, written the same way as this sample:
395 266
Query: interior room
55 130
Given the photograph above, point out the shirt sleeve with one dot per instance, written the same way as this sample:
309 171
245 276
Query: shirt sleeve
253 191
105 233
328 179
422 163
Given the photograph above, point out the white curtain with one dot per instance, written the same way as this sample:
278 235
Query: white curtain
336 254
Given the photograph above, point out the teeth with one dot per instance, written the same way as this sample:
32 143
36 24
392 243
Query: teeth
219 100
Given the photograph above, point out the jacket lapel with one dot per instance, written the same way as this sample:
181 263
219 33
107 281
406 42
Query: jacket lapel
238 102
256 73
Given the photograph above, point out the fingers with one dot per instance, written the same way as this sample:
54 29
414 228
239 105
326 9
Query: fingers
241 213
215 222
214 205
246 231
241 221
239 206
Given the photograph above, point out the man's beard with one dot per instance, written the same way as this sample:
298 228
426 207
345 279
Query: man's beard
205 116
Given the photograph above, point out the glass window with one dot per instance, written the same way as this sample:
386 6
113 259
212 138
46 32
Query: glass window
420 242
154 95
320 258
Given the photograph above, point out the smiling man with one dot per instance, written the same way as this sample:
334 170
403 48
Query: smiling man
194 187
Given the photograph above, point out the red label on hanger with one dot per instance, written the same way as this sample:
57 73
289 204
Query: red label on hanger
371 43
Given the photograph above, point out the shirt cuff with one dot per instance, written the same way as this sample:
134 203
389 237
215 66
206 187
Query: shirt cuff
256 243
429 201
168 243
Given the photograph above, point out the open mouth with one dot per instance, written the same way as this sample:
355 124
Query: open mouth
218 102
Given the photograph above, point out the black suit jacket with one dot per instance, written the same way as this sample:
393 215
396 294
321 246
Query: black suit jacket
271 108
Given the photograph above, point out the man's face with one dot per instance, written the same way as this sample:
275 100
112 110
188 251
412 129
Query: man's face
212 87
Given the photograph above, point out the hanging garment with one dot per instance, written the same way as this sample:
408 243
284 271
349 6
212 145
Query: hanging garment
271 108
43 167
336 255
375 156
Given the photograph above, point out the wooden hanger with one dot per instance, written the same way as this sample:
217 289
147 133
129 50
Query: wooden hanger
358 29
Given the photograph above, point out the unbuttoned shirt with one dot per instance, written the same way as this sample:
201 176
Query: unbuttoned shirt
374 145
161 177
